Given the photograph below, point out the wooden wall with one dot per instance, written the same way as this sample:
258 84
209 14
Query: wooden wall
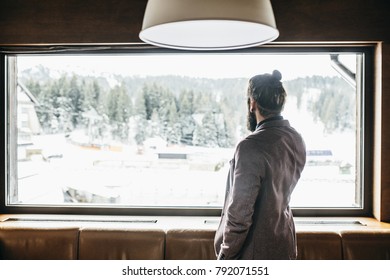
119 21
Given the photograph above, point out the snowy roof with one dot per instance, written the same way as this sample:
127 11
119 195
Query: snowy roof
28 93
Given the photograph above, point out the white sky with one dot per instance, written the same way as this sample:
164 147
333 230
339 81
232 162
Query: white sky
198 65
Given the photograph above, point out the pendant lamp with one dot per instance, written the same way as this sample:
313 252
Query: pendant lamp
208 24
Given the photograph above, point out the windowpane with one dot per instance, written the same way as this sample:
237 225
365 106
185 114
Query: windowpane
157 130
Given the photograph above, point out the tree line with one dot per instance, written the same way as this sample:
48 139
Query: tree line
333 104
190 117
198 112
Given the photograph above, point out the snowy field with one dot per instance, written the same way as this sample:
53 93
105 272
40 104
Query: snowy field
122 176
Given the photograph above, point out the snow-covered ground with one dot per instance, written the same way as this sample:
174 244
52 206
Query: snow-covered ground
123 174
124 177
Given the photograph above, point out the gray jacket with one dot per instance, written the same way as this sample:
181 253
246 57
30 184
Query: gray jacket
256 221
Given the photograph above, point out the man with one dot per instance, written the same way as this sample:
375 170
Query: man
256 221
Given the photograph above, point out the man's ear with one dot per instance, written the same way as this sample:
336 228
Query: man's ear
252 105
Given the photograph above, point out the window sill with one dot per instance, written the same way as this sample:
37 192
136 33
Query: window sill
184 222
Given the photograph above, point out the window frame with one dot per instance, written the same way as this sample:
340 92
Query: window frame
365 136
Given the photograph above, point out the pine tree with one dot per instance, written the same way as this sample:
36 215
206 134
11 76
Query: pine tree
141 129
118 109
76 101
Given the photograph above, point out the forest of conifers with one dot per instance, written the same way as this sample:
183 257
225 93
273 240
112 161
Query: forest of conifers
180 110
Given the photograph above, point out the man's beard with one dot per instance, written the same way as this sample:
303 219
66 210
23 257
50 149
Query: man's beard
251 121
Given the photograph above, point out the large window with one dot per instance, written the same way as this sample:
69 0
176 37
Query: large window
135 131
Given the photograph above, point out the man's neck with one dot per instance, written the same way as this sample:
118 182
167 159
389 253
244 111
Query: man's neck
272 118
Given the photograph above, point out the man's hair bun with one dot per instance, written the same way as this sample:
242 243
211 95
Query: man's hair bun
277 75
268 92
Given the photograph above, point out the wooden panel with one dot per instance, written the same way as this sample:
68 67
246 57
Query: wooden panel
119 21
332 20
385 136
70 21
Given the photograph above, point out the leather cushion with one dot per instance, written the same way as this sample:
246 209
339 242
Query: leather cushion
366 245
190 244
121 244
38 243
318 245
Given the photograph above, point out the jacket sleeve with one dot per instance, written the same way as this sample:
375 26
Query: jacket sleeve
247 176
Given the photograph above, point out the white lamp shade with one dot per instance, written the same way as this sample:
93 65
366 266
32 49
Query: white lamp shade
208 24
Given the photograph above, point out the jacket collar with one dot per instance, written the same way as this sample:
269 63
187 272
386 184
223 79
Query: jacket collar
272 121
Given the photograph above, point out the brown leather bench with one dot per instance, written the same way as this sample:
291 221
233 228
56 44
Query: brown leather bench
134 242
184 244
121 244
319 245
190 244
366 245
38 243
